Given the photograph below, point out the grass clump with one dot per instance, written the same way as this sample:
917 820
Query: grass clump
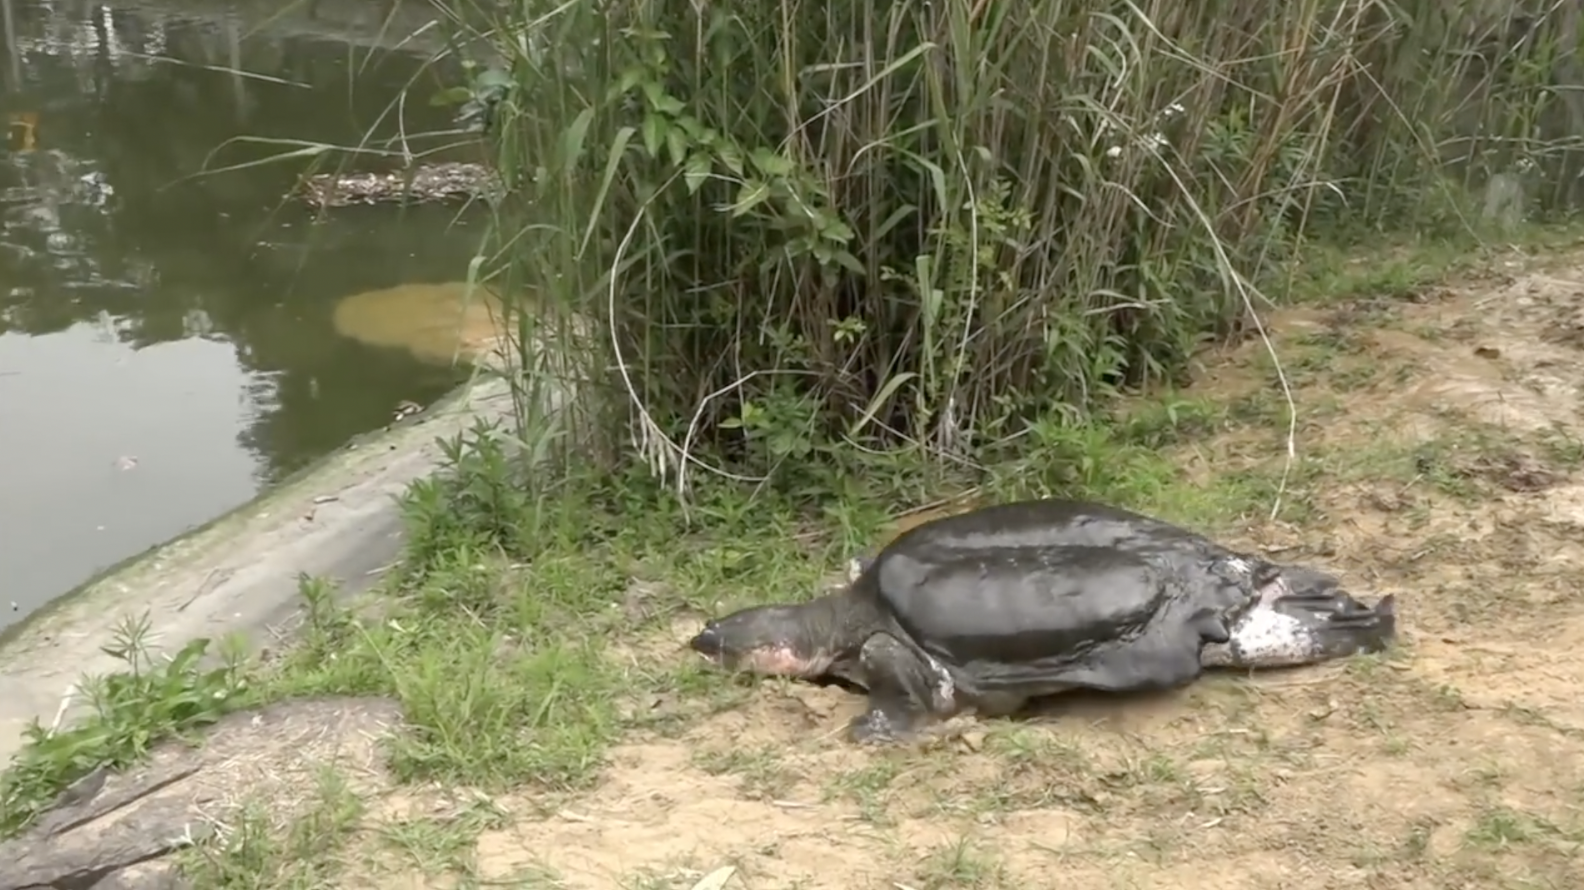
809 234
256 852
493 641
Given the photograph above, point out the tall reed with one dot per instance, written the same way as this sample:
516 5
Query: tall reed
798 228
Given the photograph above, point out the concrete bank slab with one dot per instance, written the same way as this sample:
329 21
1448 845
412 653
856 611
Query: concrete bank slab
337 519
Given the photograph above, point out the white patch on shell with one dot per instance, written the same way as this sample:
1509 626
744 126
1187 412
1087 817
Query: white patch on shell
1264 638
945 689
1239 565
855 569
1273 591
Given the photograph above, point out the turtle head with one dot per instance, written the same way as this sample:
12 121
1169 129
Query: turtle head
783 641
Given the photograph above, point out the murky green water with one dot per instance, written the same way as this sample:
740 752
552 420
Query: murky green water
166 346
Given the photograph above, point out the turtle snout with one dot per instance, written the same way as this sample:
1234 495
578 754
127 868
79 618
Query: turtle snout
709 642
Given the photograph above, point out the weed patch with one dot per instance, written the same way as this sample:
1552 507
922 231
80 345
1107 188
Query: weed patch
132 710
255 852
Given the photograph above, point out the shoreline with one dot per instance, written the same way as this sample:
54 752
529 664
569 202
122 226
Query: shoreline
336 519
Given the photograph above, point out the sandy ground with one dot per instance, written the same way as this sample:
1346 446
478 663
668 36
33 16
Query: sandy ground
1440 438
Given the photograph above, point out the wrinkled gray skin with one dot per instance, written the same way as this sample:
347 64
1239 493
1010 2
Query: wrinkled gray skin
987 610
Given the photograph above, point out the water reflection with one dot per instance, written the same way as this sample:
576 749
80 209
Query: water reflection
187 321
69 502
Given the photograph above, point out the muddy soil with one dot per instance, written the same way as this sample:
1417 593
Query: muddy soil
1439 460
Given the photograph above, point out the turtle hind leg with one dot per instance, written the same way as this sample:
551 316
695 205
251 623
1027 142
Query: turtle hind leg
906 693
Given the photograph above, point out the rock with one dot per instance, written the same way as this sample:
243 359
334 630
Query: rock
149 877
83 789
424 183
107 830
84 860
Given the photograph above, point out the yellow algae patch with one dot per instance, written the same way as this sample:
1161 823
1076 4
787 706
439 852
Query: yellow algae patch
435 322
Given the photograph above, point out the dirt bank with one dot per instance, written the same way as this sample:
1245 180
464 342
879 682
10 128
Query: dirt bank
337 519
1439 459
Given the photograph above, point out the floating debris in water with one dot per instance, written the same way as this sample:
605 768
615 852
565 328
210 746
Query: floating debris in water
426 183
22 129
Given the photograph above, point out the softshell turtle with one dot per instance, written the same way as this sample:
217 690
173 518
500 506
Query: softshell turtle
988 609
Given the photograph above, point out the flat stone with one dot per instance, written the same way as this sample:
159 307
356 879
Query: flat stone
158 876
108 829
83 860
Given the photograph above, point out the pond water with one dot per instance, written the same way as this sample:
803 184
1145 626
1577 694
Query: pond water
166 341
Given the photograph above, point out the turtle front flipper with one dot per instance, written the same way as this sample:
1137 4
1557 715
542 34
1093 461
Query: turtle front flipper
907 692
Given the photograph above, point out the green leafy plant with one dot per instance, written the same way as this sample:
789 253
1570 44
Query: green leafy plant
152 699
